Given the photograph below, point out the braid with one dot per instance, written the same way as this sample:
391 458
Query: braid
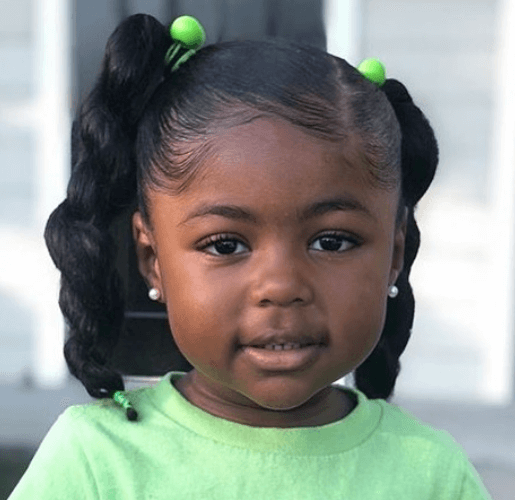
419 157
102 185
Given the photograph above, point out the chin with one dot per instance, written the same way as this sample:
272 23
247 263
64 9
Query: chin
281 407
284 401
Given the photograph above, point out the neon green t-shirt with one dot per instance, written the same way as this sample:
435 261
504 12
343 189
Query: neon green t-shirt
178 451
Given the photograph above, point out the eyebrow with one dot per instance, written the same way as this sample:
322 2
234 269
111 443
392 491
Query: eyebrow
316 209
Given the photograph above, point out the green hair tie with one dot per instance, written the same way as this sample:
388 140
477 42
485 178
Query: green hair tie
187 33
373 70
122 400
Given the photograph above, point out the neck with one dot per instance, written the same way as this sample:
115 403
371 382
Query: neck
327 406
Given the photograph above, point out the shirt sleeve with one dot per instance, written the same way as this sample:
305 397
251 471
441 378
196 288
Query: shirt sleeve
60 468
472 487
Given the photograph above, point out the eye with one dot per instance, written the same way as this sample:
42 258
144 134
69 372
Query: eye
335 242
223 244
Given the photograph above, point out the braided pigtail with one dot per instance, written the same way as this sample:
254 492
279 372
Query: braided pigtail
101 187
419 157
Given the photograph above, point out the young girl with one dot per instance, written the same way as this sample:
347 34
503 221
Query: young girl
276 187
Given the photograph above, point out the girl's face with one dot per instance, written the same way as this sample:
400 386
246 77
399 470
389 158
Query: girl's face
307 250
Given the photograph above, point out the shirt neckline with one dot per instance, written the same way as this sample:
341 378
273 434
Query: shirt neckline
335 437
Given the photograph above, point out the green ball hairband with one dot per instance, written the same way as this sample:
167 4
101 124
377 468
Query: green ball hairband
188 34
373 69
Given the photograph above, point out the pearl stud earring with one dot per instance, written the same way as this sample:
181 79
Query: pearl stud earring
153 294
393 291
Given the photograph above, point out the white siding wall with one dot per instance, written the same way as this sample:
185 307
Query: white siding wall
16 177
34 130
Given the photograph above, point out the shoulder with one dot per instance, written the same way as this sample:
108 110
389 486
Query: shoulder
398 432
105 413
421 446
416 453
399 425
82 427
79 449
63 464
388 419
75 438
396 421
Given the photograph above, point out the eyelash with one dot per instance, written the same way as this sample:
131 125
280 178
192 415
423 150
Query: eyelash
212 240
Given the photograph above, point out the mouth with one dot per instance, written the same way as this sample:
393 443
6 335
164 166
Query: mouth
280 358
287 346
283 340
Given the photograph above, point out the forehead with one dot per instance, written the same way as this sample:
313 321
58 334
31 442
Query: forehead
275 165
274 146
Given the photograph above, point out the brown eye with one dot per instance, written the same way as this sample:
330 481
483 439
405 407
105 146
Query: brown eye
222 244
335 242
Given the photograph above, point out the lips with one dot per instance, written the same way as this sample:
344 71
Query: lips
284 340
274 361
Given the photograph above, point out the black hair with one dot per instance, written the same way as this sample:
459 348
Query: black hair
143 126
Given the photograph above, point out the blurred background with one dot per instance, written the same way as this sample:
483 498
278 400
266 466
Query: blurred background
457 59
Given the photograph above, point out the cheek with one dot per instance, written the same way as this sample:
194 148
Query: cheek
201 309
358 308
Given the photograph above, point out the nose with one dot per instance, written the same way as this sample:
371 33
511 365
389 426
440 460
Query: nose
281 279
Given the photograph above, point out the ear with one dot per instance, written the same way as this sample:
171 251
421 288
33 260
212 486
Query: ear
148 263
398 248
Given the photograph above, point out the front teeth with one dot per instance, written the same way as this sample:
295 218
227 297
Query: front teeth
282 347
